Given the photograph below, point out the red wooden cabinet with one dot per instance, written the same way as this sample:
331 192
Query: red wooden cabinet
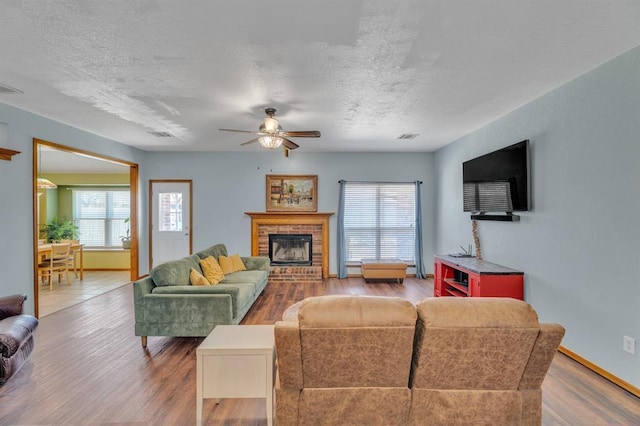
471 277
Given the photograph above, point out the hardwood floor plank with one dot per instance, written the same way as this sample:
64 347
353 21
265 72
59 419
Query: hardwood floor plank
94 284
89 368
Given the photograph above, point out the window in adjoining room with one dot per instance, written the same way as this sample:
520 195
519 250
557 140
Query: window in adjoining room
100 216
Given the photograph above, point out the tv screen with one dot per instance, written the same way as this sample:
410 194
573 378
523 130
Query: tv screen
498 181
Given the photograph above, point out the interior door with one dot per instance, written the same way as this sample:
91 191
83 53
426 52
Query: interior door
170 221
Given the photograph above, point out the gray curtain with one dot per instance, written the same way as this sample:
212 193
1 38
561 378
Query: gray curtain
418 237
342 259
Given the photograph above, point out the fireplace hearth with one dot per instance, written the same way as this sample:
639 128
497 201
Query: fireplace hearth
290 249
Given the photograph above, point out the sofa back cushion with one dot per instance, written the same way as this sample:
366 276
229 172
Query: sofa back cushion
216 251
356 341
175 272
473 343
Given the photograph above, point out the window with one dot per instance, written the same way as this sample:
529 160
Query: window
100 216
170 208
379 221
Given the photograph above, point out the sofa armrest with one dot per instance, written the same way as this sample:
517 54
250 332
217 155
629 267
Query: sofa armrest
255 263
12 305
141 288
14 331
544 349
289 354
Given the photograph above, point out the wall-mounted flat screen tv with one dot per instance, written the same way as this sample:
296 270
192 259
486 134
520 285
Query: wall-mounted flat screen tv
498 181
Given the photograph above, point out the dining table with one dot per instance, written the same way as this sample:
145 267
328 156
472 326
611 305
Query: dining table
45 250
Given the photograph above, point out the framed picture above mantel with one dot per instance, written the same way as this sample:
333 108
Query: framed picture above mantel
292 193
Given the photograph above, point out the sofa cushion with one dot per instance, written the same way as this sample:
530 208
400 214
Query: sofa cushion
236 261
244 299
241 293
192 289
477 312
253 277
226 264
230 264
212 270
356 311
216 251
175 272
196 278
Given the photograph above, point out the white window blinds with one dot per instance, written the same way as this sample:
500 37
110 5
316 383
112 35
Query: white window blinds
100 216
379 221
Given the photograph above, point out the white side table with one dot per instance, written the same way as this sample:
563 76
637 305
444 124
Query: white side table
236 361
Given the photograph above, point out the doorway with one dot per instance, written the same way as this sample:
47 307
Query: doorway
80 172
170 220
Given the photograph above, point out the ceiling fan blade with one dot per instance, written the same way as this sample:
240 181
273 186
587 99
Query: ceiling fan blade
291 145
251 141
302 134
241 131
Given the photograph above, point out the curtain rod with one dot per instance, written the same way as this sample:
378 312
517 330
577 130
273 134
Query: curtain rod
356 181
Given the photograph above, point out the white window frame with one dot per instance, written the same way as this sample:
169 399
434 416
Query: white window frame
114 221
383 213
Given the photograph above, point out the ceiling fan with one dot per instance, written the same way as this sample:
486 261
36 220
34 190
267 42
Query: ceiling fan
271 135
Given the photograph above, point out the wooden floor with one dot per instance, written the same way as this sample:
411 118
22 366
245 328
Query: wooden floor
63 295
89 368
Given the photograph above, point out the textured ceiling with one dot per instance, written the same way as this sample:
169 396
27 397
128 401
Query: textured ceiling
361 72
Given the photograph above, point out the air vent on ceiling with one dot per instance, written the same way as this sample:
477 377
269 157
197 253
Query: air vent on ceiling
408 136
161 134
8 89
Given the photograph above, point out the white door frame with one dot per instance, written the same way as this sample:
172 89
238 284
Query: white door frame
190 218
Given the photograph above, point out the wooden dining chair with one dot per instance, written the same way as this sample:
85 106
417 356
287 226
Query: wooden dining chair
72 258
57 263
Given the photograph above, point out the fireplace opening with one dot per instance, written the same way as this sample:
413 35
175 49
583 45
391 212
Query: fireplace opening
290 249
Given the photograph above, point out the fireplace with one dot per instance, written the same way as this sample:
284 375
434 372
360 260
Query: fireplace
264 224
290 249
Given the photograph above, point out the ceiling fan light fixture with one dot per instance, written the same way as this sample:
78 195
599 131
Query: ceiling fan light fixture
45 183
271 135
270 142
270 125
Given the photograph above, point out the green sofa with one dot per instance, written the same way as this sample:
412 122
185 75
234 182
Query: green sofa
166 304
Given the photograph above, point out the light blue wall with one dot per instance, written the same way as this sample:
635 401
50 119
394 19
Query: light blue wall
226 185
580 245
16 204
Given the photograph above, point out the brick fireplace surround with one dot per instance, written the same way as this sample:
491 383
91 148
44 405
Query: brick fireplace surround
316 224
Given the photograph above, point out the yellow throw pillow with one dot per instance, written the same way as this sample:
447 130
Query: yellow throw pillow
212 270
196 278
231 264
238 265
226 264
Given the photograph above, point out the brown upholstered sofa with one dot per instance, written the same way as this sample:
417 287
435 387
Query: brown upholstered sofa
377 360
345 361
480 361
16 335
